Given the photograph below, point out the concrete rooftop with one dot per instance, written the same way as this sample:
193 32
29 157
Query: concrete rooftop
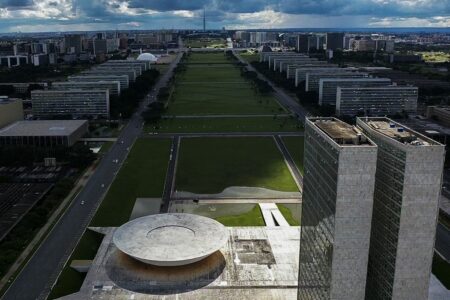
170 239
255 263
341 132
42 128
398 132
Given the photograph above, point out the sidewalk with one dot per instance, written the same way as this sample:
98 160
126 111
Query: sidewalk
272 215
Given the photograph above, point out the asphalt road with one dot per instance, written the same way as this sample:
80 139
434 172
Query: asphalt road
38 276
287 101
170 175
443 241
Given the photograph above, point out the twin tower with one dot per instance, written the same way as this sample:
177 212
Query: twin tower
370 208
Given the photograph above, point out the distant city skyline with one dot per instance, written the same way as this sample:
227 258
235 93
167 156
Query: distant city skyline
85 15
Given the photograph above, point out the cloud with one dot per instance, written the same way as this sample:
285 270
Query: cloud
15 3
229 13
366 7
169 5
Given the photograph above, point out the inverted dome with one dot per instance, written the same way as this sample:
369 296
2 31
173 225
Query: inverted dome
147 57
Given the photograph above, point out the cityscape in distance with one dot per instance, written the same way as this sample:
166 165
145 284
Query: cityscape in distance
224 150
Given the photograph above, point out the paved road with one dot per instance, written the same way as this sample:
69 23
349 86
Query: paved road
443 241
36 279
170 175
287 101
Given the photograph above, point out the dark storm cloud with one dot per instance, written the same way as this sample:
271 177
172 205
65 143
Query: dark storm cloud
169 5
220 12
401 8
15 3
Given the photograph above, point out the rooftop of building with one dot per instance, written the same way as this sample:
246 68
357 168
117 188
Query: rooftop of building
42 128
398 132
442 107
6 100
392 87
254 263
84 91
356 79
341 132
85 82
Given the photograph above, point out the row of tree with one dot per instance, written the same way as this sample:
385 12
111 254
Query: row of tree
124 105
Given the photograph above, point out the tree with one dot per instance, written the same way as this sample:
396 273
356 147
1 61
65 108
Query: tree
6 90
151 116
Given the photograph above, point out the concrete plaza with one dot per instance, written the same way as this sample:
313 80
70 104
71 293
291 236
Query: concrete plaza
256 263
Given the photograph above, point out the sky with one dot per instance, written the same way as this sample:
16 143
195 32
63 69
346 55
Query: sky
83 15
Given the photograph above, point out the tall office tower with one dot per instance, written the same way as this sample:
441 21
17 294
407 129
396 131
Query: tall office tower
100 46
303 43
73 43
405 210
338 188
204 19
335 40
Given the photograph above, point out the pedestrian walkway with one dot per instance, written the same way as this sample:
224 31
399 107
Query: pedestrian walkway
272 215
99 139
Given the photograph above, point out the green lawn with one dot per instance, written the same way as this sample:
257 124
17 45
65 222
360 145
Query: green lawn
70 281
142 175
213 85
220 74
441 269
241 124
252 218
207 57
209 165
205 43
250 56
287 214
295 146
435 57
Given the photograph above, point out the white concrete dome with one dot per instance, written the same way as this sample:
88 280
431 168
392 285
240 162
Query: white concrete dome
170 239
147 57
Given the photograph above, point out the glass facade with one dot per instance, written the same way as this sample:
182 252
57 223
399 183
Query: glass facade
76 103
318 210
385 221
376 101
